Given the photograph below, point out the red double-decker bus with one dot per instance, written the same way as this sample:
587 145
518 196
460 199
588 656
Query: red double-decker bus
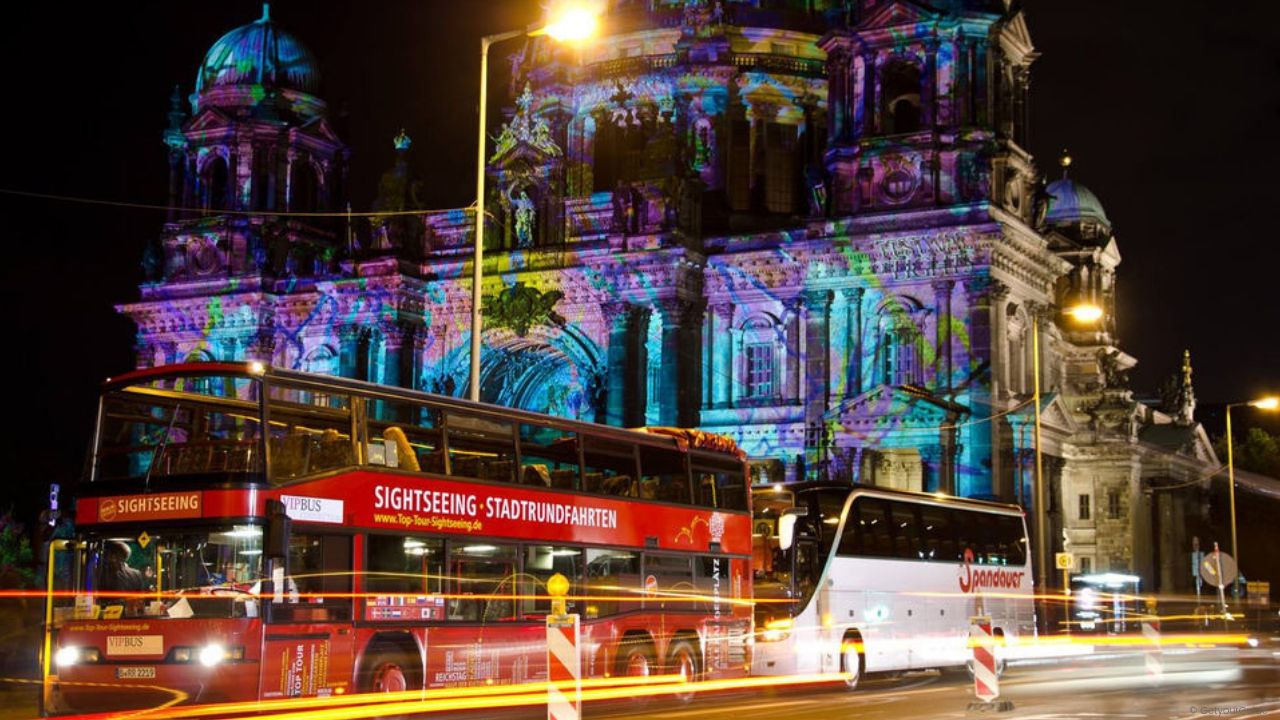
420 534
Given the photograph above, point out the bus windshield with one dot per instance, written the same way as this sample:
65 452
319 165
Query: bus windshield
167 572
785 579
196 425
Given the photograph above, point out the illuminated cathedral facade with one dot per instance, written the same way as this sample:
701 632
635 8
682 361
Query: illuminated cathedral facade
811 225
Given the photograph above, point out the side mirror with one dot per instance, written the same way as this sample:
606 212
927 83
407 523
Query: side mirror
275 544
787 525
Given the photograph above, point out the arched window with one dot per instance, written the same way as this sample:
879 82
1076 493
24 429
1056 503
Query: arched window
215 184
322 360
1018 342
898 351
303 187
760 371
900 90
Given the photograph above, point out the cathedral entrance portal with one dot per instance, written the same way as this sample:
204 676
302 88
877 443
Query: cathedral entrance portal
533 375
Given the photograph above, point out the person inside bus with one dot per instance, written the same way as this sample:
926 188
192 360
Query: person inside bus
117 574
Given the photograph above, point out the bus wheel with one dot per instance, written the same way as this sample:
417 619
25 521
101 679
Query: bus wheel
852 662
389 674
682 660
635 659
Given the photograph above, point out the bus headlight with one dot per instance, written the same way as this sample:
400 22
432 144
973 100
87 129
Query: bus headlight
211 655
67 656
776 630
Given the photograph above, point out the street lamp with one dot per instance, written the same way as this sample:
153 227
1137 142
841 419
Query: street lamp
1084 313
572 23
1266 403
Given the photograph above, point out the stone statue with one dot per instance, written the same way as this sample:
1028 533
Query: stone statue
524 216
1113 375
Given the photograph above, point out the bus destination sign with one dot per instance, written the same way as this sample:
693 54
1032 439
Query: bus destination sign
158 506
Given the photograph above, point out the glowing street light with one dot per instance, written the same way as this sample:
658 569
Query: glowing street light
1266 403
572 23
1085 313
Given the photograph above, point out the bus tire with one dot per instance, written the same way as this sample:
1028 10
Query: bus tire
388 670
852 660
682 659
636 658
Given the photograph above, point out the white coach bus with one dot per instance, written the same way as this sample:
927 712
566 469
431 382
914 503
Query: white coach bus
858 580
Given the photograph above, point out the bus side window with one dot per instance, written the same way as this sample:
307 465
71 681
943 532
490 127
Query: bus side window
404 435
612 575
320 571
609 467
673 581
851 542
719 484
489 571
541 562
548 457
407 570
877 538
938 535
971 535
481 448
664 475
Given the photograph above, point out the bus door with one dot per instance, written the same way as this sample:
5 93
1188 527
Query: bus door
483 591
308 643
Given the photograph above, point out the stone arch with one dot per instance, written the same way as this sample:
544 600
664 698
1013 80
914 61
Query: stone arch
901 83
215 179
552 370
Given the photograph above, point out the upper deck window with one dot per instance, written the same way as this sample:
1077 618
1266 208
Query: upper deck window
197 425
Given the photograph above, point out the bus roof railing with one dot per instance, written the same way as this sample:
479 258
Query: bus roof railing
890 492
658 437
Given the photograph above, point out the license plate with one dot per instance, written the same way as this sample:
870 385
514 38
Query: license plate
136 673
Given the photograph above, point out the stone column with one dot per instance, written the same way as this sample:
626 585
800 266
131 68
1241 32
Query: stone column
394 339
349 347
853 341
928 93
616 317
931 460
817 392
942 351
792 365
838 71
678 391
720 354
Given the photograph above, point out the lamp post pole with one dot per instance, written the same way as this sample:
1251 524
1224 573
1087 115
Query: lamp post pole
1231 488
1042 512
477 269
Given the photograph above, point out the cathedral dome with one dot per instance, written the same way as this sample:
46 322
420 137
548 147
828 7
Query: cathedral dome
1071 202
259 54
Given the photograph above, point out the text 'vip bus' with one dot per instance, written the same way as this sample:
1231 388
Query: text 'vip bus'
422 531
858 580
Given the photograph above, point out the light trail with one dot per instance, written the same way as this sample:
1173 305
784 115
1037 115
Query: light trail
257 707
352 707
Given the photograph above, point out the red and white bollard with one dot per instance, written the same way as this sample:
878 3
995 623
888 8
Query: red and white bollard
564 663
986 684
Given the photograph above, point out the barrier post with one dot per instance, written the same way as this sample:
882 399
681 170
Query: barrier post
1154 652
564 663
986 685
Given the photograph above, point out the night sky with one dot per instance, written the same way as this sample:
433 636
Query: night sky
1171 115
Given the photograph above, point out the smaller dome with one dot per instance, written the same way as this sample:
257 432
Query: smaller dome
259 54
1071 202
